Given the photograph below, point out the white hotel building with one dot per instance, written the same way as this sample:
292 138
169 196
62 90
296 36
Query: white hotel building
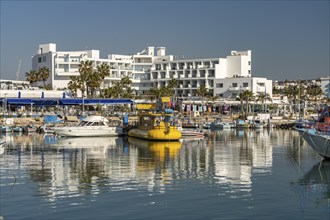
224 77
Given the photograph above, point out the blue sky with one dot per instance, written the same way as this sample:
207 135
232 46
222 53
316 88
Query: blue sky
288 39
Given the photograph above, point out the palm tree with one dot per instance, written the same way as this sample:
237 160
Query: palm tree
85 69
93 82
202 92
43 75
246 96
74 85
31 76
103 70
263 97
314 91
292 91
155 92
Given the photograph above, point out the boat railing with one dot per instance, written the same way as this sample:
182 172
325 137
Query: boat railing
320 127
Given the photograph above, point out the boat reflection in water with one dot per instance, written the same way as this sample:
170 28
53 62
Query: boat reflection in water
96 146
159 149
314 186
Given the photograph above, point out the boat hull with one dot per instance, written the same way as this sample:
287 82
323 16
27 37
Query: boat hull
156 134
88 131
319 142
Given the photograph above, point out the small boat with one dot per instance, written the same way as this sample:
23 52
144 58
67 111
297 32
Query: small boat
256 124
17 129
156 126
47 129
186 132
91 126
157 123
5 128
219 124
207 125
30 129
242 124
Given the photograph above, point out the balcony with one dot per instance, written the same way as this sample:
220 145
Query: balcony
245 88
231 88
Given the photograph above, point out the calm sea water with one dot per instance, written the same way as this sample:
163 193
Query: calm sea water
228 175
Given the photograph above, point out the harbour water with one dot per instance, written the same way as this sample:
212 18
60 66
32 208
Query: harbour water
234 174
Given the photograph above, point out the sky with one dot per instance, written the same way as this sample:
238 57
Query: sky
289 39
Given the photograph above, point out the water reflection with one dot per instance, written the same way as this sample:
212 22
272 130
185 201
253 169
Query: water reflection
314 187
74 167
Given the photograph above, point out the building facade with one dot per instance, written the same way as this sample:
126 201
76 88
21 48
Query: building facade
153 68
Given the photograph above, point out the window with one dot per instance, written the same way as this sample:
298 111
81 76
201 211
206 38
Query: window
249 63
219 85
234 84
39 59
220 95
245 84
44 59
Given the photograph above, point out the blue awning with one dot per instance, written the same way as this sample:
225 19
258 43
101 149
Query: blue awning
70 101
45 102
95 101
108 101
65 101
19 101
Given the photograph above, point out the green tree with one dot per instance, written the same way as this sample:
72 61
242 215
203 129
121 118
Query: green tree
85 69
263 97
292 92
246 96
103 70
31 76
74 85
93 82
43 75
202 92
314 91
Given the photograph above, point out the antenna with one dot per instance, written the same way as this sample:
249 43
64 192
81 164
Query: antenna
18 70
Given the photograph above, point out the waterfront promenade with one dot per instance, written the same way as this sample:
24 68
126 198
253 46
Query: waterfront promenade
200 120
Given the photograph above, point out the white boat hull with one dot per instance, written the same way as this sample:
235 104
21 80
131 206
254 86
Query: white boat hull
319 142
88 131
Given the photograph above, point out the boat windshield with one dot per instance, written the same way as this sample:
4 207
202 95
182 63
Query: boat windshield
90 123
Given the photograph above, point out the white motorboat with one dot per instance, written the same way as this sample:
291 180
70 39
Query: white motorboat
91 126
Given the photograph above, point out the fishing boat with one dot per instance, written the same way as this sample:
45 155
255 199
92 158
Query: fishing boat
156 124
318 137
91 126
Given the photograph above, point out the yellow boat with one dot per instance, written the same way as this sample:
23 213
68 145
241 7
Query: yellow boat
155 126
158 125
